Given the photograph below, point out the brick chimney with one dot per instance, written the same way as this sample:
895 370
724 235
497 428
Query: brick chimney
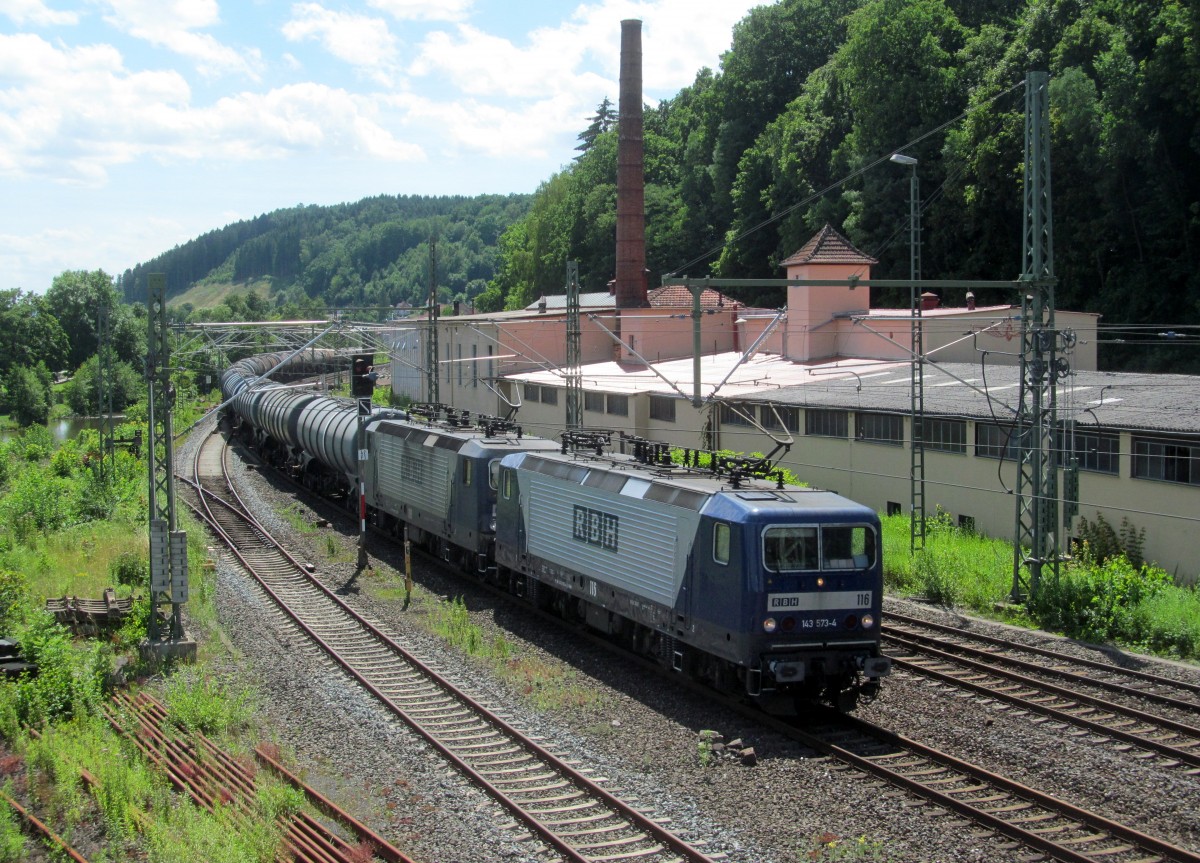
631 205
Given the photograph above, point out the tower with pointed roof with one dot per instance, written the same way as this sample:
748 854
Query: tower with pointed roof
813 311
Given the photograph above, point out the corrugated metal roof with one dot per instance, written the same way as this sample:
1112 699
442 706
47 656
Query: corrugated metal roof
978 391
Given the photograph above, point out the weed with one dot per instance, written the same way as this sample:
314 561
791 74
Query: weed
201 702
830 847
277 799
12 841
299 518
704 751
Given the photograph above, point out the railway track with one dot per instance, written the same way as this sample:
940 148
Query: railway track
1131 682
1175 743
1038 820
568 810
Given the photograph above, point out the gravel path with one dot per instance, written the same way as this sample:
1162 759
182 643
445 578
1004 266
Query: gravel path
644 737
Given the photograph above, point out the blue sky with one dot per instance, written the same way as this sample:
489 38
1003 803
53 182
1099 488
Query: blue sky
130 126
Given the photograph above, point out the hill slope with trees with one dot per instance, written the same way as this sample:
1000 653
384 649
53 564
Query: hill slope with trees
794 130
375 252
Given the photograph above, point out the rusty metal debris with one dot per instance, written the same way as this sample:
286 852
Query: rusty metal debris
212 778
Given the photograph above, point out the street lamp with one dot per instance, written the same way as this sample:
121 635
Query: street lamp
917 461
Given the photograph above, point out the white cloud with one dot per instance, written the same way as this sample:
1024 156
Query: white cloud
423 10
363 42
71 113
678 37
35 12
171 24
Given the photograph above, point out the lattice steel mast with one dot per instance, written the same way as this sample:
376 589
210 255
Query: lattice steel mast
431 342
168 546
574 350
1037 547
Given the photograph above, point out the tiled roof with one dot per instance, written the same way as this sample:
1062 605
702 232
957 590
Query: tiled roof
828 247
677 296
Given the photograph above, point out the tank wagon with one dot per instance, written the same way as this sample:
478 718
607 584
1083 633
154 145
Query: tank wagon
721 572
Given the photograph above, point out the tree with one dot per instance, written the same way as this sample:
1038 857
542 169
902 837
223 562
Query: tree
31 334
75 299
81 394
603 120
27 396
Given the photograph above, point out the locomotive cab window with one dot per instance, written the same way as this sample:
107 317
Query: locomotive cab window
494 473
721 542
847 547
467 471
506 479
790 549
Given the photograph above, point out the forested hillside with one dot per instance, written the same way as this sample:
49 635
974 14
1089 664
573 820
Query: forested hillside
795 129
375 252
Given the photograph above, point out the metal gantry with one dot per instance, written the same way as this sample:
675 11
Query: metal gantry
168 545
574 377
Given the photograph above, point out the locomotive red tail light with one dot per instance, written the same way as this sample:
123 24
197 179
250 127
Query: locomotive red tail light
789 623
851 621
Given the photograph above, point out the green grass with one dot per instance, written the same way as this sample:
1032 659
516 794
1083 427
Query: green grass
544 684
205 296
1113 600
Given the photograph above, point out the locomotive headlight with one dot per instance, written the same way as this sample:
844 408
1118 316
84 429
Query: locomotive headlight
868 621
492 523
769 625
820 581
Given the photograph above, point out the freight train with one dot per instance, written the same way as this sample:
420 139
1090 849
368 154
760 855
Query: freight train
716 571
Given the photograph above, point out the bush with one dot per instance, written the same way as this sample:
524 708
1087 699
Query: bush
1096 602
130 568
70 681
206 704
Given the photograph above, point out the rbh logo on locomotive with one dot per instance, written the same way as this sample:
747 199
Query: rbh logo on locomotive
596 528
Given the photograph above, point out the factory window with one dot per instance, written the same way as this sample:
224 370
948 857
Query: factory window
474 365
532 392
879 428
721 542
894 508
447 364
458 353
1166 460
996 441
549 395
823 423
662 408
736 415
966 523
490 372
777 418
1095 451
593 402
618 405
945 435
